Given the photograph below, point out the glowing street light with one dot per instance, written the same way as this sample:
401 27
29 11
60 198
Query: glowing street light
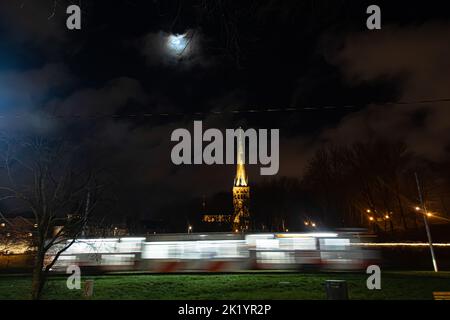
306 223
190 229
428 214
386 216
371 218
368 211
313 225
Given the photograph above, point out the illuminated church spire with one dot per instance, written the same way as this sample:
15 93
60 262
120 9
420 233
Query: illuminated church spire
241 192
241 178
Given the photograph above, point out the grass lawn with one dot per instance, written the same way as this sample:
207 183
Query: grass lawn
395 285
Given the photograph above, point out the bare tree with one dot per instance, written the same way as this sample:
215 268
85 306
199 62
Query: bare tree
58 185
364 184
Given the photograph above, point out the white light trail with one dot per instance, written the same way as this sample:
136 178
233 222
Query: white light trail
400 244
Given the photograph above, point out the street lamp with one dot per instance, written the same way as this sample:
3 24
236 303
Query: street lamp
190 229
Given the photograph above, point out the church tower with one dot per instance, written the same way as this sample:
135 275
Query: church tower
241 193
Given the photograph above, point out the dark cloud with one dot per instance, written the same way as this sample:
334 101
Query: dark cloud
34 23
105 100
418 55
23 94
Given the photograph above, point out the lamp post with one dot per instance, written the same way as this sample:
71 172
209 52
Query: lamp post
427 228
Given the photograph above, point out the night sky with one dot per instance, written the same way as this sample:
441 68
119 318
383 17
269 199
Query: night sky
94 86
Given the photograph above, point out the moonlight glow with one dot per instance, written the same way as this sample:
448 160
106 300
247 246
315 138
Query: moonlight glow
177 43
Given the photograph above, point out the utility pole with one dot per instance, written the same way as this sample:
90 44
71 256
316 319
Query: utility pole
86 213
425 219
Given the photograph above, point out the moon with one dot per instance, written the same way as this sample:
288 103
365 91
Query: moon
177 43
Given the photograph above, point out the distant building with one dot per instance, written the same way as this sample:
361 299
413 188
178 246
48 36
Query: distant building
104 230
17 235
216 218
239 220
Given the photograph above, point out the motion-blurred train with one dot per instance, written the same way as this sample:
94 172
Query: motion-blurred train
220 252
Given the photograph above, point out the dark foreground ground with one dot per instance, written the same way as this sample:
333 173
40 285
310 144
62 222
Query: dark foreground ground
395 285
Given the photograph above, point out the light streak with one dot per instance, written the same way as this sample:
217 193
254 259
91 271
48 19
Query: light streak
399 244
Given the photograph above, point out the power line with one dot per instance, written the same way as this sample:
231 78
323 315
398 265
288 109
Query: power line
214 112
176 114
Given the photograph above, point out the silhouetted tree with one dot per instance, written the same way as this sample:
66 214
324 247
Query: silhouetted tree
60 188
